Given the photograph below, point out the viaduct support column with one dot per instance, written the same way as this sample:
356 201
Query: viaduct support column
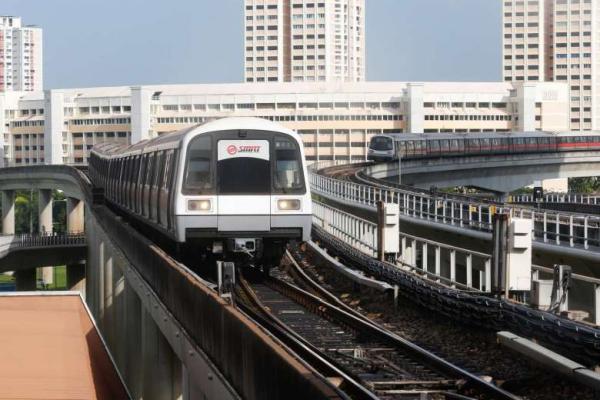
133 343
157 362
75 215
45 226
8 212
25 279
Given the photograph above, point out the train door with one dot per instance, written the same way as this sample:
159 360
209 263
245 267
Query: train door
244 185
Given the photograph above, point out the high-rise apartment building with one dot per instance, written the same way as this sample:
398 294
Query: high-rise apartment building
556 40
20 56
304 40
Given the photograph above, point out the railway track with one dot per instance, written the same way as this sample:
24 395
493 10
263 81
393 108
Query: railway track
363 359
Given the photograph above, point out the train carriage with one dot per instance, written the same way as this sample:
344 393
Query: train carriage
234 187
390 147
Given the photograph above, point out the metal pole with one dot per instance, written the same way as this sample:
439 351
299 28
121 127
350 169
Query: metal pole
399 168
380 230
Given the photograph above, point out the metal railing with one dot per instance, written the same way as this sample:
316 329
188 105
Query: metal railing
588 284
451 266
28 240
553 227
574 198
357 232
50 239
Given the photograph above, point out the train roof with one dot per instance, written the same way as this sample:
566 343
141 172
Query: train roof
483 135
174 140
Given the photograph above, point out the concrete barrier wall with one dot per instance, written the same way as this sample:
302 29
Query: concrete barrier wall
252 362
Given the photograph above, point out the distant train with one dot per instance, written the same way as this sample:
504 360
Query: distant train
232 188
413 146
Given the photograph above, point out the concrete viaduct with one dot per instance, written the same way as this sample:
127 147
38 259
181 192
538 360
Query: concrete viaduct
499 173
169 332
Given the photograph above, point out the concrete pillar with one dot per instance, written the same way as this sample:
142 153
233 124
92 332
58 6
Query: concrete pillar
133 366
120 319
100 285
45 211
45 226
108 320
76 278
75 217
8 212
25 279
157 363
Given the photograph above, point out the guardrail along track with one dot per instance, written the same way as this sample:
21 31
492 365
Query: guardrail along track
569 230
580 341
389 366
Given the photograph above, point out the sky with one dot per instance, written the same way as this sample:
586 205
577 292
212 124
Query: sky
130 42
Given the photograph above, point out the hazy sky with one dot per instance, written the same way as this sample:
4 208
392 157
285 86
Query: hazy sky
123 42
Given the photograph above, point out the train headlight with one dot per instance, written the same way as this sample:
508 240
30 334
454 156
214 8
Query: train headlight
199 205
289 204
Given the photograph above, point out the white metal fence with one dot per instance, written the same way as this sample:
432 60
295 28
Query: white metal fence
450 265
357 232
575 198
560 228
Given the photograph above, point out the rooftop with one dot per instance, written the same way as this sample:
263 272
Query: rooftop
52 350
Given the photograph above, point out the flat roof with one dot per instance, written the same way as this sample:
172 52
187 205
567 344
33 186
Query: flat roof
50 349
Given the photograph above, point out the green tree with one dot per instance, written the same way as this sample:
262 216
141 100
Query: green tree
584 185
26 213
59 212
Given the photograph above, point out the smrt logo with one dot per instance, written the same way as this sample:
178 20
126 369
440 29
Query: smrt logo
232 149
249 149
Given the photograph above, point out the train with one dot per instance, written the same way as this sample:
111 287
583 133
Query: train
391 147
234 189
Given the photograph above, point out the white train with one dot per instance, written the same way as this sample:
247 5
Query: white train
232 188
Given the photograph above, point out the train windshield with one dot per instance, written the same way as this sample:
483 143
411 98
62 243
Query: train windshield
382 143
288 175
243 167
198 174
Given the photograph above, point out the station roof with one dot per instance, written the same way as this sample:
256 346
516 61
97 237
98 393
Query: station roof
51 349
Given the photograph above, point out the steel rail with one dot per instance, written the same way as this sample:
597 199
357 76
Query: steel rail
358 321
349 388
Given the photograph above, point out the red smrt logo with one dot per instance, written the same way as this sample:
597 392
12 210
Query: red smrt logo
233 149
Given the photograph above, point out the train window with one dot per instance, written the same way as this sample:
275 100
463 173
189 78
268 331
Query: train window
198 172
381 143
288 175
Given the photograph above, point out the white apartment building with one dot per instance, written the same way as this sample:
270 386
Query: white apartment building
556 40
335 120
304 40
21 60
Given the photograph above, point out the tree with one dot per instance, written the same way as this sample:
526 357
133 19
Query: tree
26 213
584 185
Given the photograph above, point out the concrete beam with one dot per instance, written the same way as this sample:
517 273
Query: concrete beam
8 212
75 217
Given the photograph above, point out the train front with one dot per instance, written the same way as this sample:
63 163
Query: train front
381 148
247 193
